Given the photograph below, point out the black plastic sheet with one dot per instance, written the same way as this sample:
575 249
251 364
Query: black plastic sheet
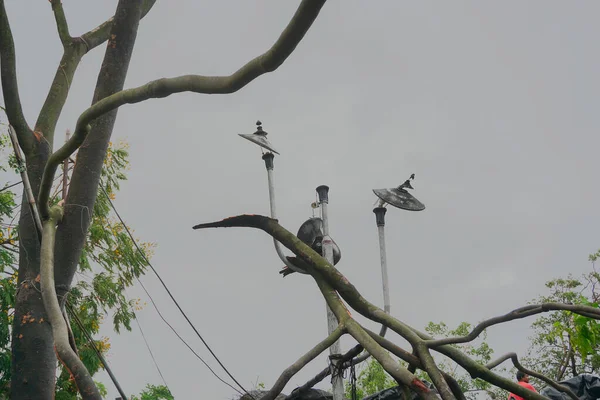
585 386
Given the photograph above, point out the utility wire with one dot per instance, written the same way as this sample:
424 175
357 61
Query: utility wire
170 295
9 186
183 340
150 351
98 353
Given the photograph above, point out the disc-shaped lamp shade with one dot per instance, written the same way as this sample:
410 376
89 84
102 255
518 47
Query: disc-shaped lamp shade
311 233
399 198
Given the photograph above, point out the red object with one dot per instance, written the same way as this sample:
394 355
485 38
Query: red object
525 385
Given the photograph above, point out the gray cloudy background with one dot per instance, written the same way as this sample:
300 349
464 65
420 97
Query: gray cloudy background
493 105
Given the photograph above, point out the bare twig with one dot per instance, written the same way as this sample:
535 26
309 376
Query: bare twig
515 360
85 384
519 313
290 371
269 61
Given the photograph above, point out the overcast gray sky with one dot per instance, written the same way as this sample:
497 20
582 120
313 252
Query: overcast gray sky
493 105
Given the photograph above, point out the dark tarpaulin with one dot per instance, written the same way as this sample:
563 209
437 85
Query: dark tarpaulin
585 386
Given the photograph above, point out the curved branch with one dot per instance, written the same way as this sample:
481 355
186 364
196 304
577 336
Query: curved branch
269 61
290 371
519 313
515 360
10 88
74 365
61 22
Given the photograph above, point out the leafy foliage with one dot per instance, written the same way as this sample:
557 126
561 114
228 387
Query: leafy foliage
565 344
371 379
152 392
110 262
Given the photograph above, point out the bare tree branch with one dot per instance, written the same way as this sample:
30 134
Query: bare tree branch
515 360
10 88
61 22
74 365
269 61
519 313
290 371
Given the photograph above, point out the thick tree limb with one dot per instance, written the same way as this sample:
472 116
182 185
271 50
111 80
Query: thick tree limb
83 379
61 22
349 293
269 61
519 313
10 88
515 360
290 371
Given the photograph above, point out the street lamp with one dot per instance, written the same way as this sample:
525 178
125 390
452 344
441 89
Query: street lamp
315 233
399 198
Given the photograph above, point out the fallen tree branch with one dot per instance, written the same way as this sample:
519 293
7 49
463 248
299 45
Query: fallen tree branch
267 62
85 384
519 313
290 371
349 293
515 360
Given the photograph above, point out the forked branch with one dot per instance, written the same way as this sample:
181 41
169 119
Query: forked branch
269 61
66 355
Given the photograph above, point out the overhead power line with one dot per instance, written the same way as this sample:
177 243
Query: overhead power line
173 299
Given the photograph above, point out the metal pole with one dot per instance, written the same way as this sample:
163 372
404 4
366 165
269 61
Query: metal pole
25 178
337 380
380 220
269 165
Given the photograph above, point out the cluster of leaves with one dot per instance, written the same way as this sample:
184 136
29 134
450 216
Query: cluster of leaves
152 392
371 379
110 262
565 344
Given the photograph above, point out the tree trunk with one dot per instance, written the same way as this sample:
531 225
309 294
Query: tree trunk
33 359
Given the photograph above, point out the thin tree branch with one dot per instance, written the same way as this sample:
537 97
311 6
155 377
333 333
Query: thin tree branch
515 360
519 313
10 87
268 62
85 384
293 369
61 22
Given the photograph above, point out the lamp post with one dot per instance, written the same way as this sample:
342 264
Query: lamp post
315 233
399 198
